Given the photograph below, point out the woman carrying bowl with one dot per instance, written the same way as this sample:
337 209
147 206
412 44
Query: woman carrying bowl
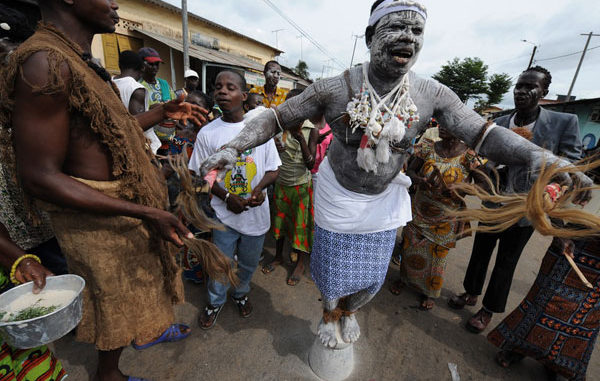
24 364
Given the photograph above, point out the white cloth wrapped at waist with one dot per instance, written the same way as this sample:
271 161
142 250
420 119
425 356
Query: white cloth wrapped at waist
340 210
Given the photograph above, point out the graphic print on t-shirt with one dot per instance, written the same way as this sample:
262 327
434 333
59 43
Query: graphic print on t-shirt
155 94
239 180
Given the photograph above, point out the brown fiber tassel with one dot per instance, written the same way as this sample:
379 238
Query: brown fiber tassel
332 316
187 202
214 263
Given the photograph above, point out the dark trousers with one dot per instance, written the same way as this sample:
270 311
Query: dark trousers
512 243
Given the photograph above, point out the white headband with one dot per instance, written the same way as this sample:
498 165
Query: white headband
391 6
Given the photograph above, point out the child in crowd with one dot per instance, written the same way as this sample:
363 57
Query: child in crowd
254 100
238 200
185 135
293 195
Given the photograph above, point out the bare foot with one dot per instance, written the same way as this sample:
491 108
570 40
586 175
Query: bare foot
397 287
427 303
297 274
350 329
326 332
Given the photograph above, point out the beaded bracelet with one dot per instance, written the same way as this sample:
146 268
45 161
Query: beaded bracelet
13 270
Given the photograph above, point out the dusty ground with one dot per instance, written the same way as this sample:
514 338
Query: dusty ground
399 342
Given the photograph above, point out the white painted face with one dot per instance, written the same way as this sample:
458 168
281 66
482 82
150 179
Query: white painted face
396 43
272 75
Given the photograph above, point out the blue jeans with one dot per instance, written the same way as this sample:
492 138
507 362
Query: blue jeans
248 249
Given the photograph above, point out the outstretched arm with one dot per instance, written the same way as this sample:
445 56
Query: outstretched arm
260 129
42 128
499 144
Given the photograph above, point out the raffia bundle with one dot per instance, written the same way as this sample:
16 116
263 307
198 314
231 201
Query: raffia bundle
537 206
214 262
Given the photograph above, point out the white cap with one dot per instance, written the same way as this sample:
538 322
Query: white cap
190 73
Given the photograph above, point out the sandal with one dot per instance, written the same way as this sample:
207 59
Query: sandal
506 358
208 317
397 287
293 280
269 268
170 335
427 303
298 272
244 306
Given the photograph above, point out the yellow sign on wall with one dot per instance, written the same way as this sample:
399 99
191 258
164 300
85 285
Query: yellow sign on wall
111 51
115 43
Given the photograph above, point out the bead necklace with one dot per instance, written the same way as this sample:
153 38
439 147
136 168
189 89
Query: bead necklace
384 120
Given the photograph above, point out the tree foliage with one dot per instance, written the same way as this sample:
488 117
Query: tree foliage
469 80
301 70
498 85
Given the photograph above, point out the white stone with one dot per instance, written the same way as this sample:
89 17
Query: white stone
332 364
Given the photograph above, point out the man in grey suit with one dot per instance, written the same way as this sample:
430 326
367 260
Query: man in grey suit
557 132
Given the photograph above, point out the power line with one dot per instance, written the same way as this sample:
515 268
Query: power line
543 59
304 33
510 60
566 55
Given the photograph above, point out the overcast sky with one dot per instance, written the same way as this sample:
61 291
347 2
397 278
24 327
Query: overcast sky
490 30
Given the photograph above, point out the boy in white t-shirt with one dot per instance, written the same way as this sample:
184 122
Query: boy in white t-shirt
133 93
239 200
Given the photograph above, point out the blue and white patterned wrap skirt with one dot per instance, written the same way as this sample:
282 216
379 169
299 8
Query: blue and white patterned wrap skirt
342 264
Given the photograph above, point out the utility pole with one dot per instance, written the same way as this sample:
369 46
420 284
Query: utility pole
532 53
325 66
323 71
356 37
587 43
185 32
301 48
276 31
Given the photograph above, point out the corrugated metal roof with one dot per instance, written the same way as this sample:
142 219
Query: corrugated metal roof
205 54
211 23
219 57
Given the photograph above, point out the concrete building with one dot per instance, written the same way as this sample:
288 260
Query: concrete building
213 47
588 113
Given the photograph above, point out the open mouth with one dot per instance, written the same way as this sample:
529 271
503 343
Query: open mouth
402 55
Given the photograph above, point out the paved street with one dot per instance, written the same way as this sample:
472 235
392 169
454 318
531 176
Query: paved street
398 342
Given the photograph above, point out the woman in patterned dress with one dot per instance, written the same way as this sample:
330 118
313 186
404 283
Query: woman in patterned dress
428 238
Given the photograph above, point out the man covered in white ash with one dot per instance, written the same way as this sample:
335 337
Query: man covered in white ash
375 111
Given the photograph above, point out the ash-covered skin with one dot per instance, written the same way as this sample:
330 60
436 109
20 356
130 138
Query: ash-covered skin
395 36
272 75
395 44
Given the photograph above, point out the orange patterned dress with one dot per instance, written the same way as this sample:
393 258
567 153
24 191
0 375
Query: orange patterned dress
428 238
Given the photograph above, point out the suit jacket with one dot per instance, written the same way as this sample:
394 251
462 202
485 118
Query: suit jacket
557 132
